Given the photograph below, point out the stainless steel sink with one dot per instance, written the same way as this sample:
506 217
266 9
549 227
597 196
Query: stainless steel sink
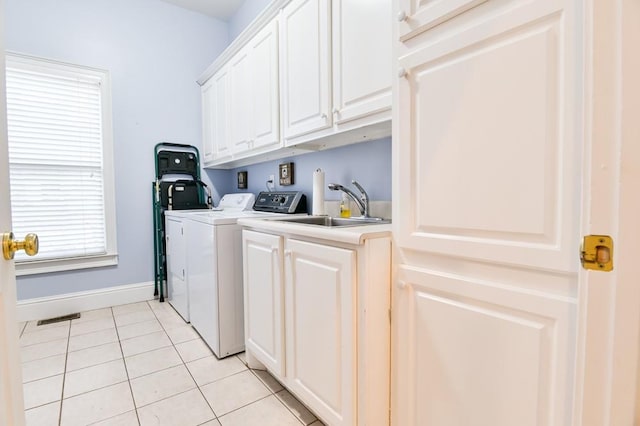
336 221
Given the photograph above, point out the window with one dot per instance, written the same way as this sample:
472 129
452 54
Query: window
61 163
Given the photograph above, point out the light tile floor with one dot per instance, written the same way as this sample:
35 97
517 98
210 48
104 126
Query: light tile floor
141 364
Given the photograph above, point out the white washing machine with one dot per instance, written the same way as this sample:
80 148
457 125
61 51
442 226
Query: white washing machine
205 281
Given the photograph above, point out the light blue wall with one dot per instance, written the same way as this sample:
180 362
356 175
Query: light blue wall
154 52
245 14
368 162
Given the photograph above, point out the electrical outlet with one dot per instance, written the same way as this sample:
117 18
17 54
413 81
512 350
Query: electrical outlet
272 179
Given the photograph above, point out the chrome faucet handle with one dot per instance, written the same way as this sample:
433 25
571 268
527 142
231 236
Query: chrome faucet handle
364 197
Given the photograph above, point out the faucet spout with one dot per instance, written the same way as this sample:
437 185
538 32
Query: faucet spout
361 201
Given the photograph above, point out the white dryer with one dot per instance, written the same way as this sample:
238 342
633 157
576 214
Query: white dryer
206 285
204 270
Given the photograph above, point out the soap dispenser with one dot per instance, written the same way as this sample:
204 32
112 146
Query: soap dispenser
345 206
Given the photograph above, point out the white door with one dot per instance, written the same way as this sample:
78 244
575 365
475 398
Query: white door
320 317
305 67
11 400
505 154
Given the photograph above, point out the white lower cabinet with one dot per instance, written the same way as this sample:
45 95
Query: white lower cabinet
264 299
320 285
316 316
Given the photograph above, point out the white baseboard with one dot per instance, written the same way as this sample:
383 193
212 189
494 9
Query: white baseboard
56 306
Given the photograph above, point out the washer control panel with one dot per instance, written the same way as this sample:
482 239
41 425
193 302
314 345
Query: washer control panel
281 202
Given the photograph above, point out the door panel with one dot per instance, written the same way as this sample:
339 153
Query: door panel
361 51
220 114
491 141
493 354
263 299
305 67
265 88
320 318
208 117
240 102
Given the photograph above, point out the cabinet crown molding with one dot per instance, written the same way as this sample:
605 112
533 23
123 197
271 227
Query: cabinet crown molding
270 12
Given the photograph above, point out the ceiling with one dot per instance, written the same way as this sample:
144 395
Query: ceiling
220 9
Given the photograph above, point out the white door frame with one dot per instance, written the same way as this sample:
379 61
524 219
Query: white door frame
606 374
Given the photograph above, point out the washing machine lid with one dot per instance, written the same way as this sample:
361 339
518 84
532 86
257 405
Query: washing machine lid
237 201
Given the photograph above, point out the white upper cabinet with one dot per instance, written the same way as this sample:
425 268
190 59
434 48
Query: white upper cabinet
254 110
305 67
306 75
208 116
263 52
240 111
361 58
218 129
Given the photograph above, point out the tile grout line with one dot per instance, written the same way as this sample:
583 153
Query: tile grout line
215 415
64 375
280 400
126 370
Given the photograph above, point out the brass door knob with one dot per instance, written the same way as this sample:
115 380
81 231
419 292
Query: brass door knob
10 246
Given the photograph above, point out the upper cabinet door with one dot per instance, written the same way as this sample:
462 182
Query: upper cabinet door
208 117
416 16
361 58
305 67
220 108
263 50
241 110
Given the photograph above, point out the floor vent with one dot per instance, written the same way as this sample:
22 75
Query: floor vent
59 319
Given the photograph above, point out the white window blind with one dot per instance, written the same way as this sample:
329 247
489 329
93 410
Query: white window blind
56 128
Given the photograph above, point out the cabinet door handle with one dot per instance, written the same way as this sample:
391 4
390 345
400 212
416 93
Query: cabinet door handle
402 16
401 285
323 116
336 111
287 253
402 72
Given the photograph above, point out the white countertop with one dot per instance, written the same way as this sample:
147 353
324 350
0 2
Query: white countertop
342 234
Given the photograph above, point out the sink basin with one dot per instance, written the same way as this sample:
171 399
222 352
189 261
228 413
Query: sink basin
336 221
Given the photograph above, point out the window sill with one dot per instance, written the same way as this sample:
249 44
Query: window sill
32 267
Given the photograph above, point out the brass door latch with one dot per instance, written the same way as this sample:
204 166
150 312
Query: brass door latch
597 252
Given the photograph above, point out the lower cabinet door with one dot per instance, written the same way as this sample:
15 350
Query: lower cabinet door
263 299
320 288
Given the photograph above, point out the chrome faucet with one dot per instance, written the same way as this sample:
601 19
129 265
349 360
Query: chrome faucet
362 201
